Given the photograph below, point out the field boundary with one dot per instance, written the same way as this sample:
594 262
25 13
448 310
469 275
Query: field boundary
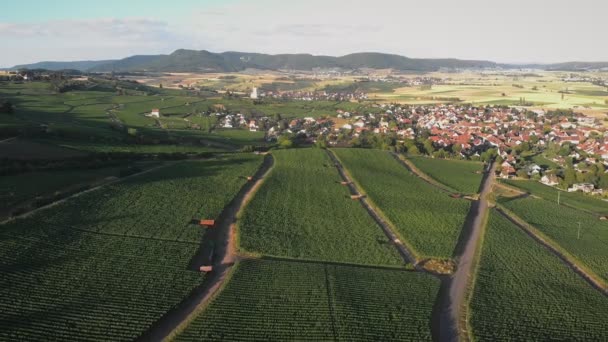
409 165
408 253
567 258
224 258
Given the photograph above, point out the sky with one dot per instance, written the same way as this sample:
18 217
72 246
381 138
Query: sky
511 31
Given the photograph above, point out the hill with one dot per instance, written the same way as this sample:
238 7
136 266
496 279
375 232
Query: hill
54 66
205 61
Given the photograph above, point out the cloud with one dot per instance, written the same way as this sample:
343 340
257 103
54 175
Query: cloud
504 31
87 39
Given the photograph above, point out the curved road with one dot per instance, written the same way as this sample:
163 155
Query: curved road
224 258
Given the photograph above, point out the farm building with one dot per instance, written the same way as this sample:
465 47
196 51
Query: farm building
155 113
207 223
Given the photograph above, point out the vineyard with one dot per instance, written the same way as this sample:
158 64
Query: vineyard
201 189
571 199
408 202
462 176
15 189
285 301
525 293
561 224
302 211
108 264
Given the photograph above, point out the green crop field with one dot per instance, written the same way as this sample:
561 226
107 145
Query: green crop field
525 293
561 225
462 176
301 211
286 301
99 116
408 202
15 189
109 263
205 188
572 199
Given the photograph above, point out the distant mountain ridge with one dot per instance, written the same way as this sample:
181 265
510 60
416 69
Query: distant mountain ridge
204 61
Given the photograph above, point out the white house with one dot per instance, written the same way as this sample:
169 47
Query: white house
550 180
253 127
254 93
155 113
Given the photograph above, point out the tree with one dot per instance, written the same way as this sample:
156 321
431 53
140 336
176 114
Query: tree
6 107
603 182
521 173
428 147
457 148
569 176
285 141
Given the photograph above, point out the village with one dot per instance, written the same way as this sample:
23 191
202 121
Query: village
557 148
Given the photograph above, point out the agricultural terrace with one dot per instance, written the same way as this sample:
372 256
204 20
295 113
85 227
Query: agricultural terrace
523 292
111 262
302 211
407 202
575 200
561 224
291 300
462 176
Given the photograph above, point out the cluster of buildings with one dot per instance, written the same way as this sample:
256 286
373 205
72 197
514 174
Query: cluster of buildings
309 95
469 131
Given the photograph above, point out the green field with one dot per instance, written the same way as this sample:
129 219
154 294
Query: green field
571 199
110 263
286 301
462 176
15 189
99 116
409 203
561 225
301 211
525 293
202 190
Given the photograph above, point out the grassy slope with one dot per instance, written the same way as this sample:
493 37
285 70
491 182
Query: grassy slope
523 292
408 202
108 264
457 174
301 211
561 225
281 301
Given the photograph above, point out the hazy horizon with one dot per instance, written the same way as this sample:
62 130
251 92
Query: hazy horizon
517 32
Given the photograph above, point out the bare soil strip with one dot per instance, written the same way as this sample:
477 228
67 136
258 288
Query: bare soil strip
572 264
407 255
224 234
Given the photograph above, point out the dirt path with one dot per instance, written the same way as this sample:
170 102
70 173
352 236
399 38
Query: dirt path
413 169
573 265
224 257
452 298
407 255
